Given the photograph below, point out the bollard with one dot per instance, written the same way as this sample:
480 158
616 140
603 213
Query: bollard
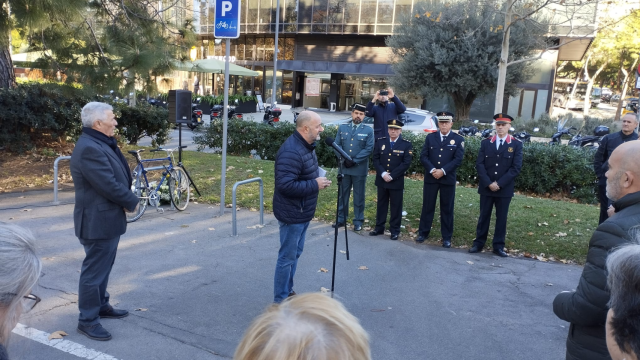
55 178
233 210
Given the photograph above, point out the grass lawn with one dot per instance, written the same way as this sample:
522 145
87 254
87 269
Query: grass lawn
541 228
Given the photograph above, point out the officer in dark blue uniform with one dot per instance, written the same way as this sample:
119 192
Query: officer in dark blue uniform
498 164
441 156
391 157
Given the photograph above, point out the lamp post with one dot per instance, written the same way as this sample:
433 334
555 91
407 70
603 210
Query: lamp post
275 57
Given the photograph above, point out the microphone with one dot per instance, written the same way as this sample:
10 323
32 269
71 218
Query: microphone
329 141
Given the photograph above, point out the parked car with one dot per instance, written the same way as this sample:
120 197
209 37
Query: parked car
615 99
415 120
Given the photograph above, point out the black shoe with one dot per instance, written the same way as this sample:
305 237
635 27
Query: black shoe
292 293
334 225
394 237
94 332
113 314
376 233
500 252
357 227
446 244
421 239
475 249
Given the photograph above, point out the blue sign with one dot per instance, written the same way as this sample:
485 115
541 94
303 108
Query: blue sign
227 19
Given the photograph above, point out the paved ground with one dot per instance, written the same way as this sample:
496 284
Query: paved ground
200 288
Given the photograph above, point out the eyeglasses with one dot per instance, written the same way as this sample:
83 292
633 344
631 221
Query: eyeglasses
30 301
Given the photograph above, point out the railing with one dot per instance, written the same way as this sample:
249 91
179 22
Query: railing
233 210
55 178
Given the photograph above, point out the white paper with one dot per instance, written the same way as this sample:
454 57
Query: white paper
322 172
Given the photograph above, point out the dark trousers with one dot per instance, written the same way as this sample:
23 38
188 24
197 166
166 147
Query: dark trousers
486 208
604 203
447 198
386 196
94 277
358 183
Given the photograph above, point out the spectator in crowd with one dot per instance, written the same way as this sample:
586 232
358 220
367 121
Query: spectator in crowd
623 318
297 183
19 272
586 307
357 141
102 182
384 107
306 327
600 165
441 156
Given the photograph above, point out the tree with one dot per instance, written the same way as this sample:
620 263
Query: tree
103 43
453 49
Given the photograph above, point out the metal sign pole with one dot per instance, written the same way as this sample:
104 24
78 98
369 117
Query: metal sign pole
275 57
224 126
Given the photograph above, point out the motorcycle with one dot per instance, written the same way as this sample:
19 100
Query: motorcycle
557 137
468 131
590 140
295 115
196 117
486 133
524 136
217 111
271 115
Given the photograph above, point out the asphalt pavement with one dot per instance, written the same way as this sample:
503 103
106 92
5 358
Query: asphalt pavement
193 289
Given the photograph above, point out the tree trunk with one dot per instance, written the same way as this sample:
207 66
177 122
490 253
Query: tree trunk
504 59
7 75
463 105
624 88
587 95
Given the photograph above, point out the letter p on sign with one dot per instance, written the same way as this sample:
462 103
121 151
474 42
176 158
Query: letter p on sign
226 6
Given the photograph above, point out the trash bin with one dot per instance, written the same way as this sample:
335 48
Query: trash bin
332 107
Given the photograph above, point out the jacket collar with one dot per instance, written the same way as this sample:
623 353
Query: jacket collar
507 139
626 201
299 137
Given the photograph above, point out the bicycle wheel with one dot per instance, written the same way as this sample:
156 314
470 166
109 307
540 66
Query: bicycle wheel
140 190
179 188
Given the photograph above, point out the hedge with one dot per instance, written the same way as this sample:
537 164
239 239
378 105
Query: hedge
546 169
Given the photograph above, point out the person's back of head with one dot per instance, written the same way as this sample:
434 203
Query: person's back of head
305 327
19 272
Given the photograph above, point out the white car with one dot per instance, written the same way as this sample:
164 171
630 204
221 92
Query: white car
415 120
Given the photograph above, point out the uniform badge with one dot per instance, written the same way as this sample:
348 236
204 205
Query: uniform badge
452 142
382 147
462 144
510 149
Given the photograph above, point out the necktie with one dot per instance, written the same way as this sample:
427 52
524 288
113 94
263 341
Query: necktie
501 143
444 139
392 144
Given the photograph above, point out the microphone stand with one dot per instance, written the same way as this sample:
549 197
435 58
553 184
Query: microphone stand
335 236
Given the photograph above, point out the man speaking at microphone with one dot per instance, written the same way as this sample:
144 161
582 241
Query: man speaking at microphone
297 183
357 141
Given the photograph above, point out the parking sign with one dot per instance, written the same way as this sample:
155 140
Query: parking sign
227 19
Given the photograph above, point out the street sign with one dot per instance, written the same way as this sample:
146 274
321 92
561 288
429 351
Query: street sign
227 19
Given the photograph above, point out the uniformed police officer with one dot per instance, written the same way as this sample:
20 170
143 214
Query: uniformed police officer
441 156
391 157
357 141
498 164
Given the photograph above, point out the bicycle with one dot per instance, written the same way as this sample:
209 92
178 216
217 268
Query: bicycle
176 176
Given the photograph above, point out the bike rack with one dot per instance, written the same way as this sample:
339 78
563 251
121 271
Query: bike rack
233 210
55 178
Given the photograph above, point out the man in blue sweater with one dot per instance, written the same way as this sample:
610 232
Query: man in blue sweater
297 183
383 107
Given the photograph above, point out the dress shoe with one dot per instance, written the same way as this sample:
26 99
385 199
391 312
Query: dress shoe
357 227
500 252
375 233
113 314
421 239
475 249
446 244
394 237
292 293
94 332
334 225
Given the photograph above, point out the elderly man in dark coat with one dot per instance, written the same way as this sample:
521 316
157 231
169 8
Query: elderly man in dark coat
586 308
297 183
102 182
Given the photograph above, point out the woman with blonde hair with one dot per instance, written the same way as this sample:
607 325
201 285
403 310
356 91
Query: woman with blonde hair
19 272
305 327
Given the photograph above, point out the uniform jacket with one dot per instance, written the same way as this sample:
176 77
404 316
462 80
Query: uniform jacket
502 166
586 308
383 113
102 190
447 156
607 145
396 162
357 143
296 190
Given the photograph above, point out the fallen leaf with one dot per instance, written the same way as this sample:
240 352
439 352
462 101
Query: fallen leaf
184 226
194 241
544 223
57 335
548 284
141 309
324 290
530 233
25 211
212 229
260 171
527 254
577 220
230 168
566 221
470 262
255 227
342 251
323 270
366 221
363 268
561 234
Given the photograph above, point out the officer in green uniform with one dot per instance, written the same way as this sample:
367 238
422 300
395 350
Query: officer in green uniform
356 139
391 157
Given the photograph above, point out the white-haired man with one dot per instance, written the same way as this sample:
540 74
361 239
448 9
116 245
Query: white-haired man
102 182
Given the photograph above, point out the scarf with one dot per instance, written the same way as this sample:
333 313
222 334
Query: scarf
113 144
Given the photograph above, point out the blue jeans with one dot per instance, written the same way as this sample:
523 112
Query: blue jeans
291 245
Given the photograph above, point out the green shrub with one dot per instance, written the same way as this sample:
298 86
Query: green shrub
142 120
